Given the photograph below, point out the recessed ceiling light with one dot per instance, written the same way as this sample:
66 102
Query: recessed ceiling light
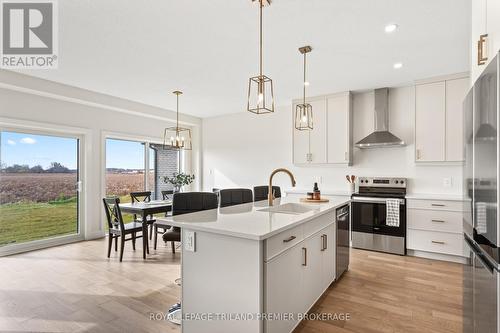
391 28
397 65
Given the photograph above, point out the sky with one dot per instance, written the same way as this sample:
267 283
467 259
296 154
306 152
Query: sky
23 148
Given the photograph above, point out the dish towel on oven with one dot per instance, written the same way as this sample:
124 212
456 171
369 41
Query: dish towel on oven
392 212
481 218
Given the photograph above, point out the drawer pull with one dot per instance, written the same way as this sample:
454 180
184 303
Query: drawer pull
437 205
438 221
304 251
289 239
438 242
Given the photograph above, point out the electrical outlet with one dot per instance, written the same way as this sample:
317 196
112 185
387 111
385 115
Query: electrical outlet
190 241
447 182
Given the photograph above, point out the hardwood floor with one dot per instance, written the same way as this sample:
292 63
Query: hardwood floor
390 293
75 288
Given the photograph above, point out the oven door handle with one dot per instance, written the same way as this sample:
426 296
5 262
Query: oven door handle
374 200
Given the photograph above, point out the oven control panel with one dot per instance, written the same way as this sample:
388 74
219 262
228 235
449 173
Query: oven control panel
382 182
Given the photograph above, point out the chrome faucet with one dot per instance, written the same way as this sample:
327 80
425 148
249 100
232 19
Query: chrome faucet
270 190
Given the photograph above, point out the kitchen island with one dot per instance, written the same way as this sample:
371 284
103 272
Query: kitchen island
254 267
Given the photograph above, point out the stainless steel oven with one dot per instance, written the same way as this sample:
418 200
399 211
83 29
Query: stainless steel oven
370 227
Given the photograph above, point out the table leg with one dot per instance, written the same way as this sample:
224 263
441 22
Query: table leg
145 233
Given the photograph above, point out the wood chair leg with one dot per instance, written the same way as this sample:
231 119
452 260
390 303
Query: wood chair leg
110 244
173 247
156 237
116 243
122 246
133 241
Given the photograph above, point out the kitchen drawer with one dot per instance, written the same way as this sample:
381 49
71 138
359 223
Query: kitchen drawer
435 220
433 241
436 204
284 240
319 223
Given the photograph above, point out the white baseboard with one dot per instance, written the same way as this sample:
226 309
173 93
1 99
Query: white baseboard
95 235
437 256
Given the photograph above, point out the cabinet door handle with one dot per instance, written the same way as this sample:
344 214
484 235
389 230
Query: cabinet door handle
304 251
322 242
325 242
438 221
418 154
345 156
289 239
481 58
437 242
438 205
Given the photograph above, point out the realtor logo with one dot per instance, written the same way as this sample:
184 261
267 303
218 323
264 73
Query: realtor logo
29 34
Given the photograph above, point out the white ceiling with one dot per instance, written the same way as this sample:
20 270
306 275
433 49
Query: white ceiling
143 50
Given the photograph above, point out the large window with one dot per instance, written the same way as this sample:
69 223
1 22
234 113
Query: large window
133 166
39 178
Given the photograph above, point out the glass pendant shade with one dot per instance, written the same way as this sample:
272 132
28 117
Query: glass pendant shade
303 117
176 137
260 95
303 112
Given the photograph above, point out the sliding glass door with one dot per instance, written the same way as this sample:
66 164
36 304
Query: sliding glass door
39 182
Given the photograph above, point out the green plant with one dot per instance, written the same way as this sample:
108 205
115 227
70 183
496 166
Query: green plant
179 179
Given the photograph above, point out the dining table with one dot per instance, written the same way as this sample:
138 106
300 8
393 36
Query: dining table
145 209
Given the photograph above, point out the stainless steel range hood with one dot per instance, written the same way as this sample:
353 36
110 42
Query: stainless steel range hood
381 137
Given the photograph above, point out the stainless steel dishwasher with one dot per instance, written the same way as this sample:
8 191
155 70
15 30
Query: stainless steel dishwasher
342 247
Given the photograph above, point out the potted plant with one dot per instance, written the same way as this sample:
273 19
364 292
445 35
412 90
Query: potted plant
178 180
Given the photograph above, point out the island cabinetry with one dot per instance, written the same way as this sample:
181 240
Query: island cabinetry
298 275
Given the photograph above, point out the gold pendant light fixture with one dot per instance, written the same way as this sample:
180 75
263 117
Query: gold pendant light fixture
303 112
177 138
260 87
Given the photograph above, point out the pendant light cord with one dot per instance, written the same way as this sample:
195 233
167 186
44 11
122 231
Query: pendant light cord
260 55
305 78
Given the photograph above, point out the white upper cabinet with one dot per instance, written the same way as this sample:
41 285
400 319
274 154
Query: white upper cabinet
317 144
439 120
485 20
456 90
330 140
430 122
339 142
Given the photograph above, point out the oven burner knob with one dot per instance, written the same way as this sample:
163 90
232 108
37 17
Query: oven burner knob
402 182
397 181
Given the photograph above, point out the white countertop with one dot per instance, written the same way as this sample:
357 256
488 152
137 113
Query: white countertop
294 190
247 221
435 196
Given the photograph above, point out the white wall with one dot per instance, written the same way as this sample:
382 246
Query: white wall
242 149
24 98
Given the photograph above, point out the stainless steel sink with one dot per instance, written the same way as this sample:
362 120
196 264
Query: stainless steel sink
288 208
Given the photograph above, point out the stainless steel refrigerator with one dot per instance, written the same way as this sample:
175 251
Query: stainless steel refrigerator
481 224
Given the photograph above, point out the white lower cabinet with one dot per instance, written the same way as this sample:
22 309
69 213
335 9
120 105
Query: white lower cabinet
435 226
295 279
284 279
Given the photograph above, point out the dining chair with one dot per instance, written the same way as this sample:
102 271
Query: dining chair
261 192
144 196
185 203
160 229
119 229
235 196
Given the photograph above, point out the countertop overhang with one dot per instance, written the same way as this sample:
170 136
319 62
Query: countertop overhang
248 221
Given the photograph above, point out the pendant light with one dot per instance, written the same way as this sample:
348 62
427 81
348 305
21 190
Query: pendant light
260 87
303 112
177 138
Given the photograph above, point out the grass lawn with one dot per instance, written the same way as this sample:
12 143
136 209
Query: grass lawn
23 222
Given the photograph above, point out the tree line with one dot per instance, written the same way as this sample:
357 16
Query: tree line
55 167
